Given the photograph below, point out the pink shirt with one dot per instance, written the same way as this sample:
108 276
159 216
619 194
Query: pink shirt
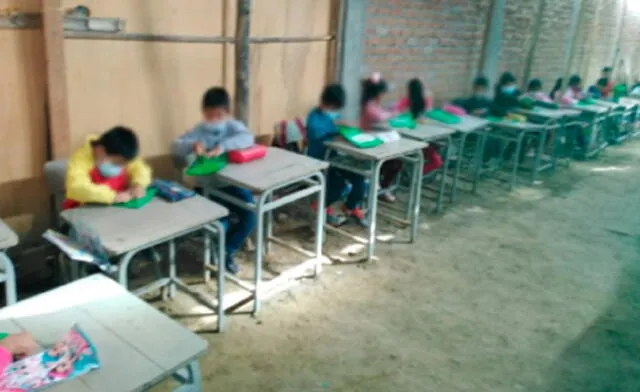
571 96
540 96
403 104
372 114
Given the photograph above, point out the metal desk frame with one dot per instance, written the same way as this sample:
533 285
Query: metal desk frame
263 206
371 171
8 272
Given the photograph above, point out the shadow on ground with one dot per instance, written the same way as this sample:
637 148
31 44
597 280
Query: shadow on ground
604 358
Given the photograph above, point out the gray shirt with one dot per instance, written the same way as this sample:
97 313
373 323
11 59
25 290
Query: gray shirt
229 135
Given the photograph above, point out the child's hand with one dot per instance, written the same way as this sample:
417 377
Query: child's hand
137 191
122 197
199 149
21 344
215 152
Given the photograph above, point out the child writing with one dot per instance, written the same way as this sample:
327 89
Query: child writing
373 115
218 133
106 170
573 94
534 91
417 103
322 126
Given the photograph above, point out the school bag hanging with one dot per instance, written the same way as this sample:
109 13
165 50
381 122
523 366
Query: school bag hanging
204 166
135 204
443 117
358 138
403 121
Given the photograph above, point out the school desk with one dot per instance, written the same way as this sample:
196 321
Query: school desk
516 132
432 132
467 126
138 346
8 239
294 177
596 116
123 233
367 163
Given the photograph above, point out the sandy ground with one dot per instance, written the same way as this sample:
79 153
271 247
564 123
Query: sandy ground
533 290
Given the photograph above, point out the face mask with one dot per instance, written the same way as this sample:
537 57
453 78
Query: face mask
109 170
333 115
509 89
213 126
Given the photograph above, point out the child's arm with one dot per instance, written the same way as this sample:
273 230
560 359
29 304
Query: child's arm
317 130
139 174
402 105
182 148
79 186
378 114
238 137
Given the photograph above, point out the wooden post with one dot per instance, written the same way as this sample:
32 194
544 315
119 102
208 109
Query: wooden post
57 103
534 44
492 44
243 28
581 29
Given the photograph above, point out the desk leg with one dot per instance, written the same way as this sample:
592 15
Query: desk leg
269 226
320 224
538 157
259 252
416 183
374 186
207 256
516 161
123 278
456 174
481 144
189 377
173 275
221 273
11 295
443 179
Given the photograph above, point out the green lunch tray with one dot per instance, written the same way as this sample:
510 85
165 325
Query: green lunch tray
358 138
494 119
139 203
206 166
403 121
586 102
527 103
443 117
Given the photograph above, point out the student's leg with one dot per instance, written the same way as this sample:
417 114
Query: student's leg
336 183
388 173
432 159
352 205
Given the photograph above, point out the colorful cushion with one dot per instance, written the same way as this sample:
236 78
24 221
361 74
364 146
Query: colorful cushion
454 109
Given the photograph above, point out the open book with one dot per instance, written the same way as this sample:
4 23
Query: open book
71 357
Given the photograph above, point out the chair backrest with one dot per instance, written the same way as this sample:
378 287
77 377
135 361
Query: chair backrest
55 174
291 135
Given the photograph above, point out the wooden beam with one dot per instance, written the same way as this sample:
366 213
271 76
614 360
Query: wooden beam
57 103
535 37
492 43
242 50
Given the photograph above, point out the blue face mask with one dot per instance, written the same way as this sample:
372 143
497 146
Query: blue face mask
213 126
109 170
333 115
509 89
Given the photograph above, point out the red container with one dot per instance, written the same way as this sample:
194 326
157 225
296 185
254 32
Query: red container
254 153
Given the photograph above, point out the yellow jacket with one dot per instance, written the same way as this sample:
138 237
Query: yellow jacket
79 186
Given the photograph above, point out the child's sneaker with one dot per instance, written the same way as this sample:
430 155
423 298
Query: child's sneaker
387 196
230 266
356 214
330 217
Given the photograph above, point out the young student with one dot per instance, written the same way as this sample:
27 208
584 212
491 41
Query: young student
322 126
217 133
106 170
556 92
479 104
573 94
607 73
374 115
416 102
597 91
534 91
506 95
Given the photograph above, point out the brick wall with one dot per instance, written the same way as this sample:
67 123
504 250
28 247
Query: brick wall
440 41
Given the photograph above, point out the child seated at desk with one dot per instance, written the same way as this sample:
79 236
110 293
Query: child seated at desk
506 99
598 90
218 133
106 170
372 116
322 126
479 103
573 94
534 91
416 103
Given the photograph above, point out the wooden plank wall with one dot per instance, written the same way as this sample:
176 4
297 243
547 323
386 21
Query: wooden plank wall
154 87
23 131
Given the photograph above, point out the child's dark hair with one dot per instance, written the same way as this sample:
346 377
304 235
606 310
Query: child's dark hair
607 69
334 96
505 79
575 80
481 81
534 85
556 87
216 97
119 141
371 89
417 104
602 82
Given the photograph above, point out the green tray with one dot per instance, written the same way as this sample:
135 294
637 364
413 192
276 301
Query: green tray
206 166
494 119
360 139
443 117
586 102
3 335
527 103
139 203
403 121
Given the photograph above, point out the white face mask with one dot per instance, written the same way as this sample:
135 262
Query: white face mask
334 115
109 170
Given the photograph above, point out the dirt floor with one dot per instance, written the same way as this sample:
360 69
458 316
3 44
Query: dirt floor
533 290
